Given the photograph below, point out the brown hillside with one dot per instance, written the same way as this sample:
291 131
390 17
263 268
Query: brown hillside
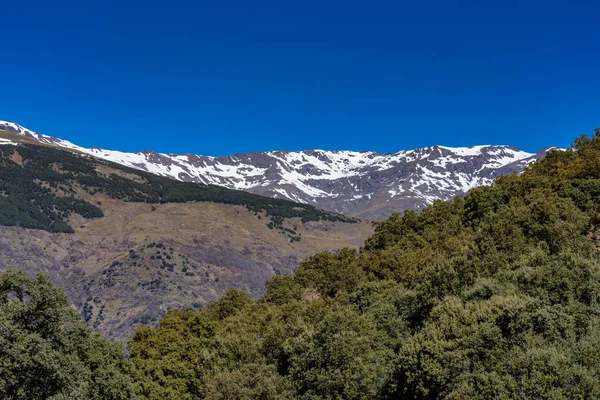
127 268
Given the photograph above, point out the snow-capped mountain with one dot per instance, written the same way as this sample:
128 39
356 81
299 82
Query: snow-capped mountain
364 184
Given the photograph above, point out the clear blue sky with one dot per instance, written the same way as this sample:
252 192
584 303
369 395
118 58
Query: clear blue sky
219 77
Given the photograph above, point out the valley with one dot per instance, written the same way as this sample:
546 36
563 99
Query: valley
127 245
300 201
128 268
124 265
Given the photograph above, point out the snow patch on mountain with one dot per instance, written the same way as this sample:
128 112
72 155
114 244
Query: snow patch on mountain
7 141
366 184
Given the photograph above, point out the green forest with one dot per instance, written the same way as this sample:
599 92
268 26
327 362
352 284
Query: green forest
28 190
492 296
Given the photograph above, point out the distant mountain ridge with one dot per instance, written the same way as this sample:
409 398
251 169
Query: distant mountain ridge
362 184
127 245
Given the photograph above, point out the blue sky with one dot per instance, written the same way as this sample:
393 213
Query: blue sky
225 76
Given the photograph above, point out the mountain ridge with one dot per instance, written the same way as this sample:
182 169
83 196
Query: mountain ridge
363 184
127 245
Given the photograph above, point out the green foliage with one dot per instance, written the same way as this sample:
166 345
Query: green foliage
509 346
249 382
330 273
47 352
344 356
169 361
28 203
283 289
230 303
494 296
27 198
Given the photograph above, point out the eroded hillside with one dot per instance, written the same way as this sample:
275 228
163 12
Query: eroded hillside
129 261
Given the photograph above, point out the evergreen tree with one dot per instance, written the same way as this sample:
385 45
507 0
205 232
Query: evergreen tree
47 352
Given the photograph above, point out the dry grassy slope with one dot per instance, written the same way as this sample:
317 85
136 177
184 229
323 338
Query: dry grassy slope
15 137
112 271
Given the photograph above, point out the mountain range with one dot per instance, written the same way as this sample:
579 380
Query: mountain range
127 245
364 184
129 236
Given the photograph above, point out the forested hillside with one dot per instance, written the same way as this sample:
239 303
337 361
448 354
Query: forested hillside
494 296
126 245
41 186
362 184
491 296
47 352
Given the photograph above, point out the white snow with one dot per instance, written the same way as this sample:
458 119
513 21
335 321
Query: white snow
7 141
304 176
465 151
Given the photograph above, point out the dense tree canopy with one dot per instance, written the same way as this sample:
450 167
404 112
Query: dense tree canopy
494 296
48 185
47 352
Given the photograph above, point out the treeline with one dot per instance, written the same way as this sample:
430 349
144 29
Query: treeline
29 200
25 200
494 296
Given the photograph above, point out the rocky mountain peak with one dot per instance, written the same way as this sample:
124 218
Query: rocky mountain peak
366 184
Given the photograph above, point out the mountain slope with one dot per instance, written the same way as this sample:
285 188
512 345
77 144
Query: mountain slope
43 186
127 245
490 296
363 184
127 268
